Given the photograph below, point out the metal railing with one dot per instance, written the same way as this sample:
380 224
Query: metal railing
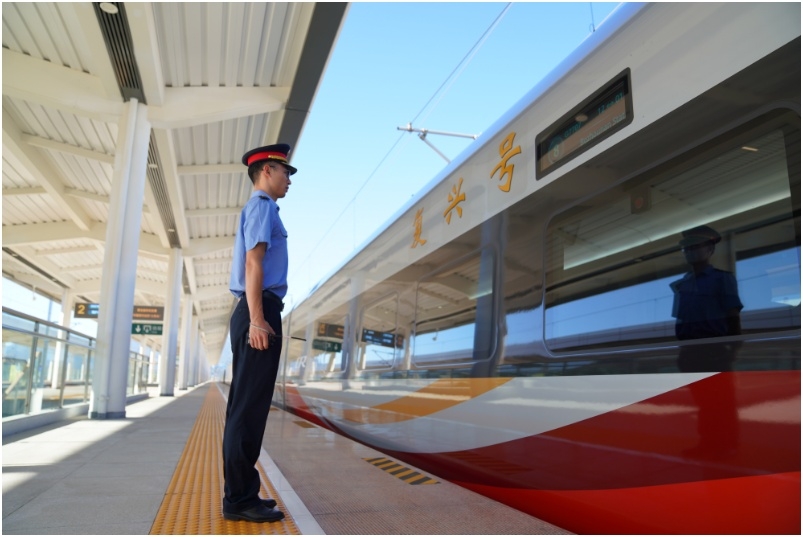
48 367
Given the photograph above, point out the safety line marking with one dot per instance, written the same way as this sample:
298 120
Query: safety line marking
408 475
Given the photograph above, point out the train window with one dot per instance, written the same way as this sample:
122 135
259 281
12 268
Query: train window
454 313
769 284
324 364
296 360
381 342
521 282
630 265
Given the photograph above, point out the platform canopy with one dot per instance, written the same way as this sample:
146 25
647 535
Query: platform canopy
218 78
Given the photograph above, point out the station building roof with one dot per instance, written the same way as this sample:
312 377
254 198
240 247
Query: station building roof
218 78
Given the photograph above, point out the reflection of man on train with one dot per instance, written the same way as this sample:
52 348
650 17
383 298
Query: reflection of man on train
707 305
706 299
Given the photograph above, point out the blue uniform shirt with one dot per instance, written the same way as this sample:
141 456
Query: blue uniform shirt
260 222
702 303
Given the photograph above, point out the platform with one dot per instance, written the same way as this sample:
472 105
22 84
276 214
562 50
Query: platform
158 471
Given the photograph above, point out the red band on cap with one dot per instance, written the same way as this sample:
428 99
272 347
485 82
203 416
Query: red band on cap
266 155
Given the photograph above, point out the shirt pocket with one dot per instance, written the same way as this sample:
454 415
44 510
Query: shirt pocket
278 236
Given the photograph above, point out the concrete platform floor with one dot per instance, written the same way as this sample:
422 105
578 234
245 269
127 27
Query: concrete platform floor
348 495
110 477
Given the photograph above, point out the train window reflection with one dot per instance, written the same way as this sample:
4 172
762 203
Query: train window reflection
454 312
592 320
381 342
616 274
325 358
770 285
450 345
324 364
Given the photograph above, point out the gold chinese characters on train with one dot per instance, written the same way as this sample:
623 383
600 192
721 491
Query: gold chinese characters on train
506 152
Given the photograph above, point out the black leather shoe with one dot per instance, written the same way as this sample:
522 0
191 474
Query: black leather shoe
269 503
258 513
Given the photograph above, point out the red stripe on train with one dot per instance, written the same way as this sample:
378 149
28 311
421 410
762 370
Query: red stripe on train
768 504
750 427
295 404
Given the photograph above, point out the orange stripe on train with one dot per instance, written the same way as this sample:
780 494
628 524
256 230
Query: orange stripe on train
438 396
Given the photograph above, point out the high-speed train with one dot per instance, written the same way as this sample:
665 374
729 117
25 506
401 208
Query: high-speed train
514 328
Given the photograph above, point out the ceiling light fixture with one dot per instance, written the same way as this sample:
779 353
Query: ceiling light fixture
108 7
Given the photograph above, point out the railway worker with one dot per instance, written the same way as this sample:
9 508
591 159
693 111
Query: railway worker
259 280
707 305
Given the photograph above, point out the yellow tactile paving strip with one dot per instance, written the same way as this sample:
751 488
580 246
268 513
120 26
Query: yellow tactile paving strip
192 502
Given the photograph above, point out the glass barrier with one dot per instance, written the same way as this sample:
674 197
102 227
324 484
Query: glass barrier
139 367
45 366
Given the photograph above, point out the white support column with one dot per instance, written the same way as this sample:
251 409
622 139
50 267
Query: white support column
307 362
199 358
206 367
120 264
203 362
170 336
154 374
186 346
350 344
203 365
192 363
67 304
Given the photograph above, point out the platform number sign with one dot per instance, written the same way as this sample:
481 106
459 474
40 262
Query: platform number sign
84 310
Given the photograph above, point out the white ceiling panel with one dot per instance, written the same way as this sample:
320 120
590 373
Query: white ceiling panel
216 78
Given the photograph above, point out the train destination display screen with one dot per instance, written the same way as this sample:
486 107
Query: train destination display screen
385 339
330 330
604 113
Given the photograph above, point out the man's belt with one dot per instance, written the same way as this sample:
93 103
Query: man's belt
273 297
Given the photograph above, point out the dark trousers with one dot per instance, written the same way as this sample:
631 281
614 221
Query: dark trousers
250 395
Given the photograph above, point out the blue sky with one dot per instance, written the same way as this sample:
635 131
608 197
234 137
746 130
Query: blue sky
356 169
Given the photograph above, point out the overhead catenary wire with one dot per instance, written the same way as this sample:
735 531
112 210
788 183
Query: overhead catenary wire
452 77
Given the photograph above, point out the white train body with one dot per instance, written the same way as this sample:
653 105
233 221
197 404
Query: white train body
513 328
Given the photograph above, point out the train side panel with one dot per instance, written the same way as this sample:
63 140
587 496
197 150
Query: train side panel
514 330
